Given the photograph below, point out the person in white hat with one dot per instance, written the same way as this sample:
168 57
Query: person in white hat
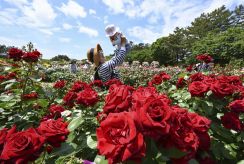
105 70
115 36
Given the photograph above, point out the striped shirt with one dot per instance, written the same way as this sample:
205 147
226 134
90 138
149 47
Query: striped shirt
107 70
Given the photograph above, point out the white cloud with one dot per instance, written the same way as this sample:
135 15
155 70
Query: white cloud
17 42
105 19
64 40
37 14
144 34
73 9
170 13
17 3
67 26
8 16
92 12
118 6
89 31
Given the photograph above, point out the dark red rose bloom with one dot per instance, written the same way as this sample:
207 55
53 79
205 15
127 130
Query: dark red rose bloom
165 99
140 96
4 134
56 109
59 84
223 79
235 80
209 80
30 96
199 123
231 120
69 99
2 78
49 149
87 97
204 57
97 83
15 54
204 141
22 147
31 56
79 86
118 138
11 75
182 134
164 76
55 131
237 106
221 90
112 81
119 99
197 77
198 89
189 68
157 79
181 82
154 118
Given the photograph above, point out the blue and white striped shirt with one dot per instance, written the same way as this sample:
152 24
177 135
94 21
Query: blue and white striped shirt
106 69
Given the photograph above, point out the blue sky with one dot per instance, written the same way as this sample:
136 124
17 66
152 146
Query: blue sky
71 27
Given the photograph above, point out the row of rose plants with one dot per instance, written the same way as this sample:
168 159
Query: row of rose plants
185 117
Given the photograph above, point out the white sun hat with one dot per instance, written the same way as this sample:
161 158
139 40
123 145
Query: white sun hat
111 30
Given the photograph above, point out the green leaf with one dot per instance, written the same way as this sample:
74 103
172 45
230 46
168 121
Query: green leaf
240 162
91 143
172 153
6 97
43 102
75 123
65 149
193 161
100 160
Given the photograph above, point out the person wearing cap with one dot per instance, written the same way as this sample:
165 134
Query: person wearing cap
115 36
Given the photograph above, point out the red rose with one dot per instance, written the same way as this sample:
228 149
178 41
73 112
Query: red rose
140 96
204 57
235 80
165 99
59 84
31 56
87 97
157 79
30 96
154 118
79 86
199 123
197 77
164 76
69 99
2 78
182 134
11 75
97 83
118 138
237 106
118 99
15 54
113 81
189 68
22 147
56 109
209 80
231 120
55 131
198 89
4 134
204 141
181 82
222 89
